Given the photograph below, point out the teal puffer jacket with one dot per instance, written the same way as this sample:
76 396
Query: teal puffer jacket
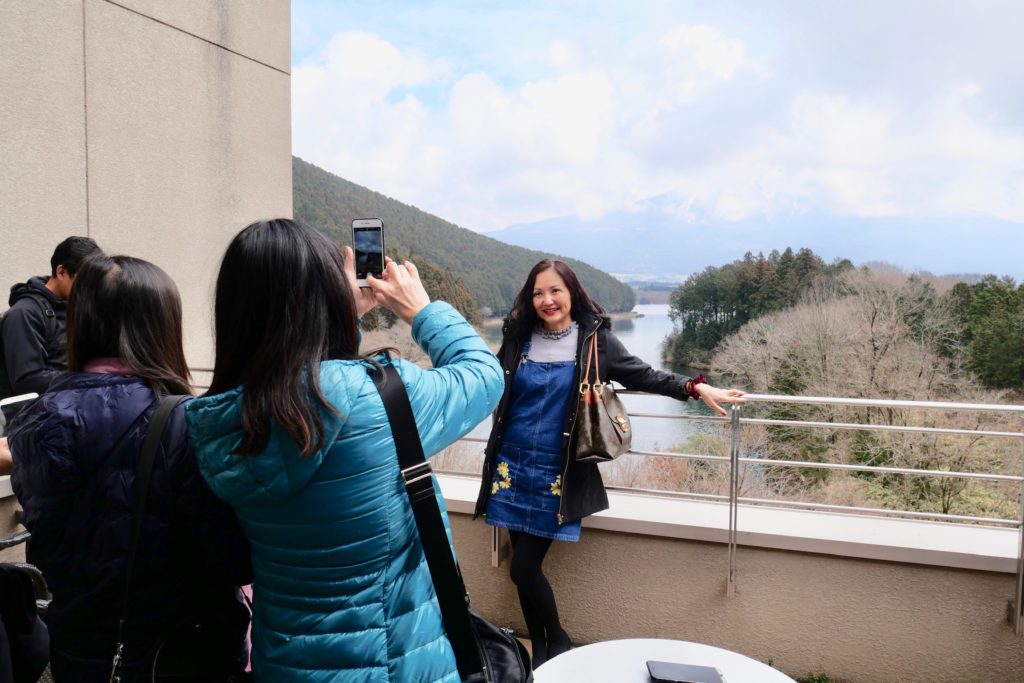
341 587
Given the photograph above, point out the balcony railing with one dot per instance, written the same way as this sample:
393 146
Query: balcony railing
736 423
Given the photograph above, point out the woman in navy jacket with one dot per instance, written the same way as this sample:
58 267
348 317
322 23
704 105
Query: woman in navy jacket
75 451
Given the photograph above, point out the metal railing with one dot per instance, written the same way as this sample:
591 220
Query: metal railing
735 460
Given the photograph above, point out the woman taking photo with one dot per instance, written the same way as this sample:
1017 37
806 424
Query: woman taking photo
532 485
293 434
75 453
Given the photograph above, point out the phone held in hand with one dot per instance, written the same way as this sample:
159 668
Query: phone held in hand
673 672
368 245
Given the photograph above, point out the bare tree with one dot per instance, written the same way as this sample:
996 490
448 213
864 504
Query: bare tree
871 335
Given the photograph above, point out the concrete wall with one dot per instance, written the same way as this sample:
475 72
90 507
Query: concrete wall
856 620
157 128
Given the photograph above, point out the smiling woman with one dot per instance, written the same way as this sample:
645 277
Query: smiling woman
532 484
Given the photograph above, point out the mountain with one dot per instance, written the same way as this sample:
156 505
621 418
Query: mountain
653 242
492 270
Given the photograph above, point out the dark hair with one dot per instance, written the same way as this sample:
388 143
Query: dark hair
127 308
523 310
283 305
71 252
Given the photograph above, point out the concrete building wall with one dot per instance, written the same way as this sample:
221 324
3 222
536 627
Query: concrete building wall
855 620
158 129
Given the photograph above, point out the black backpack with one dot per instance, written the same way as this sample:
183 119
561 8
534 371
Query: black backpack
6 389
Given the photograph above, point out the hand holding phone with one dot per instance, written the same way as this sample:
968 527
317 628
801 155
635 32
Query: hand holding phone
364 296
400 290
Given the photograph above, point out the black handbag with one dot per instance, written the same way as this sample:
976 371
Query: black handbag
602 428
193 651
483 652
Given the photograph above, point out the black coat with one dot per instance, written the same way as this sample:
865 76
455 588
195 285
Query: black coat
583 491
24 642
32 334
75 453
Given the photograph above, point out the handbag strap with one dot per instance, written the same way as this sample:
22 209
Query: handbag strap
597 359
143 473
592 358
419 486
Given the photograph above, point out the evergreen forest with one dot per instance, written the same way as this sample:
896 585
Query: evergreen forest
477 274
718 301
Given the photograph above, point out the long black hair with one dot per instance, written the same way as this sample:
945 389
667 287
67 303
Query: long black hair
127 308
283 305
522 308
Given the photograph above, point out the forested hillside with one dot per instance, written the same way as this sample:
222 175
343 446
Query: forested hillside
719 300
491 270
877 333
990 317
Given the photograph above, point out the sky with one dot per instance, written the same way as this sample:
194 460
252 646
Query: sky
490 114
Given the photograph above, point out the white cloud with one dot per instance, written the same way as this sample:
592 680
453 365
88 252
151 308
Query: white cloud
706 50
563 121
730 121
562 55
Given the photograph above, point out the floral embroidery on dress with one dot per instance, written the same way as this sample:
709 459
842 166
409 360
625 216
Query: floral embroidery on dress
556 485
503 481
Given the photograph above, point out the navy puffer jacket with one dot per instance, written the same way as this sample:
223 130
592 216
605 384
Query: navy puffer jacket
75 453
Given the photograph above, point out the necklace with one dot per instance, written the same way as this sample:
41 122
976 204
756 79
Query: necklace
555 335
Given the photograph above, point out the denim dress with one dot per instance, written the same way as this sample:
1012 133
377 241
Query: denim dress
527 485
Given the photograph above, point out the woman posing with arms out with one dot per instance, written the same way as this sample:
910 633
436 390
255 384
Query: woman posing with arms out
532 485
75 452
293 434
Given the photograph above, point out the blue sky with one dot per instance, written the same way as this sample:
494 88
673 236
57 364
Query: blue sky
495 113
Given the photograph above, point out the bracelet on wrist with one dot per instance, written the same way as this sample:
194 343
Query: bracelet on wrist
691 386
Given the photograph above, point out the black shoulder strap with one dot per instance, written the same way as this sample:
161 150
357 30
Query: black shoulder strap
143 472
419 485
49 315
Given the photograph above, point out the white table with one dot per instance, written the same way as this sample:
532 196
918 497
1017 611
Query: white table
625 661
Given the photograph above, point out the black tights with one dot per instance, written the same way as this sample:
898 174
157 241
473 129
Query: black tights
536 597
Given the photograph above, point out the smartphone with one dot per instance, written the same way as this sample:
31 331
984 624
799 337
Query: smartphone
673 672
368 244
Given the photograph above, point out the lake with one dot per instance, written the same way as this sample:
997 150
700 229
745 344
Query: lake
643 336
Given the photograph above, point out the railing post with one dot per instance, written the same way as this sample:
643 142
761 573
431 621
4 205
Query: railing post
497 547
734 494
1018 607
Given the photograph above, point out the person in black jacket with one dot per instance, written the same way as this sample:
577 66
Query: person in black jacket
32 332
75 452
531 485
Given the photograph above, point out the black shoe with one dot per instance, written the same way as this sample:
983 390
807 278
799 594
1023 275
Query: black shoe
559 645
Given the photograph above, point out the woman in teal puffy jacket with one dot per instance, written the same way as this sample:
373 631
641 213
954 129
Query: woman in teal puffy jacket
294 436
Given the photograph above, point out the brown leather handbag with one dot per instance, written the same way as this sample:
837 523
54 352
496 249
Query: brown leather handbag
603 432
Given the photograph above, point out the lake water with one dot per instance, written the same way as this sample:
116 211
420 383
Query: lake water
643 337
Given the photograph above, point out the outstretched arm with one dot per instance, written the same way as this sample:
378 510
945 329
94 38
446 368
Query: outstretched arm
466 381
632 373
712 396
